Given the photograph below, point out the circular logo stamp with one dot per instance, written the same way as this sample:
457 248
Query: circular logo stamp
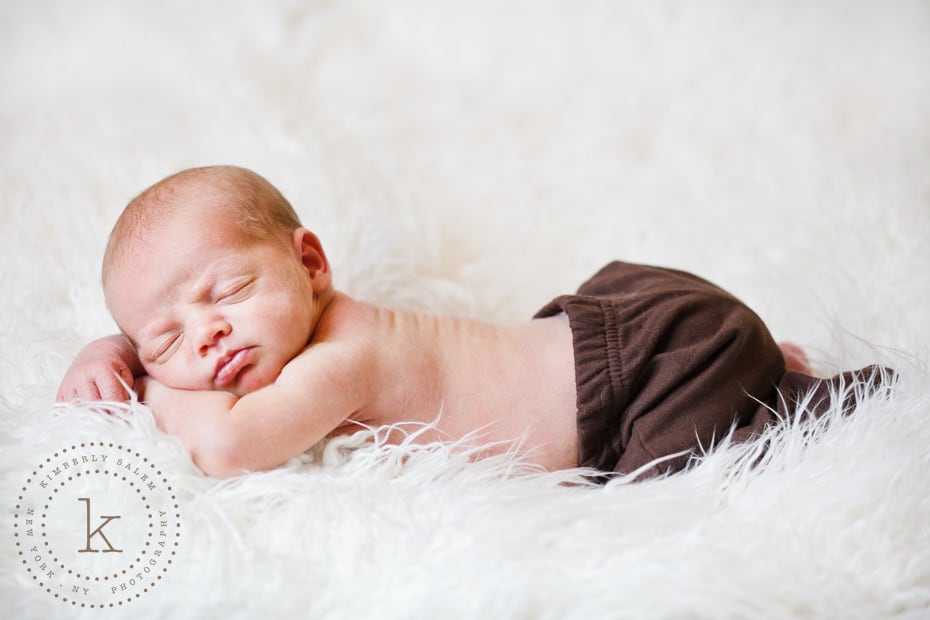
96 525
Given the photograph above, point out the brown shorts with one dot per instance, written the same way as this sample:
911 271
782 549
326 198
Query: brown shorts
666 363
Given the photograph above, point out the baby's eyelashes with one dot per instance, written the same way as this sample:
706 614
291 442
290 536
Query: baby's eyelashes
237 291
166 347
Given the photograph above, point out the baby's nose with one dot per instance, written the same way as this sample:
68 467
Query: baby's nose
210 333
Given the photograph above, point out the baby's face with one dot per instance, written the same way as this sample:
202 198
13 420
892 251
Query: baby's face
207 313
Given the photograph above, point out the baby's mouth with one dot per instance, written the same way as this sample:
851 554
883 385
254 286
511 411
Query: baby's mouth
230 365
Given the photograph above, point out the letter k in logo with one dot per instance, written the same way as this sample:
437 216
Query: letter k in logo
98 531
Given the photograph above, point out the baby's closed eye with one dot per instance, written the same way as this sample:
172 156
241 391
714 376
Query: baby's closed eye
166 346
235 291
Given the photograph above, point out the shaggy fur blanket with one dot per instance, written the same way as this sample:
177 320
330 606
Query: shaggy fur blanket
478 159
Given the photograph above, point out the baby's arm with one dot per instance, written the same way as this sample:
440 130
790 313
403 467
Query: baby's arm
227 436
93 373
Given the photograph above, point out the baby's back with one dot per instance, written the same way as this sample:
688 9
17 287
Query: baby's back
507 383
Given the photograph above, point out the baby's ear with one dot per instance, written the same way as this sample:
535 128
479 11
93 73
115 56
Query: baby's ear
313 258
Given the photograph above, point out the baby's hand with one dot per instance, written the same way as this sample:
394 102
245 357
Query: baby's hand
199 418
96 371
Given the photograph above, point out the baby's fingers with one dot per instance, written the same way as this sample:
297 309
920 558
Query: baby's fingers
67 390
71 390
104 385
109 387
83 391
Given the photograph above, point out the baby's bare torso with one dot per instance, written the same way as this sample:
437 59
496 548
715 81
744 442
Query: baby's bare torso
508 384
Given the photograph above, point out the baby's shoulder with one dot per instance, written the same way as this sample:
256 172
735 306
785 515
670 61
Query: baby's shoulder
326 366
346 321
340 345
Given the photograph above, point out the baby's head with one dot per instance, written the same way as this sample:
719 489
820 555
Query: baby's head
213 279
253 208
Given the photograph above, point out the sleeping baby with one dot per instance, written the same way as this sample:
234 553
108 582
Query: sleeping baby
232 332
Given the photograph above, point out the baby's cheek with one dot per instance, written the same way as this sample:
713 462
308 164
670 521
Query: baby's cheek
169 376
151 370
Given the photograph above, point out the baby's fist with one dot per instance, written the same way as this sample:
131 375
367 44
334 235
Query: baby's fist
97 370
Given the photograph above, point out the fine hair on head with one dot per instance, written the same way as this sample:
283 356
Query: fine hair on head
256 210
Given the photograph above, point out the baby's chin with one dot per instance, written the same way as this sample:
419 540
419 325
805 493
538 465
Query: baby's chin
250 382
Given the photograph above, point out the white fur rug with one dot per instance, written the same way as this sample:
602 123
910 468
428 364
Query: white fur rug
479 158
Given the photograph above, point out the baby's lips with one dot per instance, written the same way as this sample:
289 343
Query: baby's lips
230 365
